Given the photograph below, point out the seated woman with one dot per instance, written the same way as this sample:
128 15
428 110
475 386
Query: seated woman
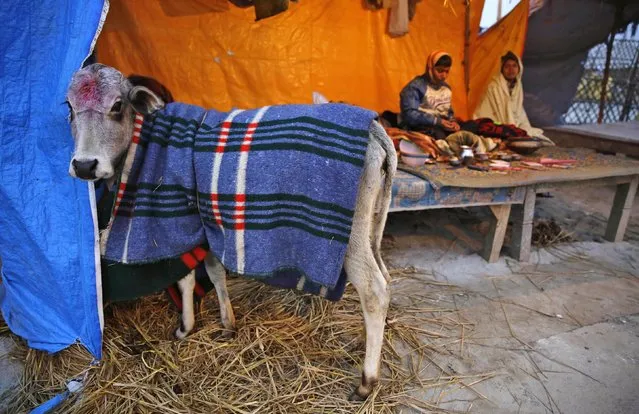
503 101
425 102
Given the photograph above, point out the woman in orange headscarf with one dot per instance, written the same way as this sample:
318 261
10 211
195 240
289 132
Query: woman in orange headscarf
426 101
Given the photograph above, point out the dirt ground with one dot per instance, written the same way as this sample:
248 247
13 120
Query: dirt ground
557 335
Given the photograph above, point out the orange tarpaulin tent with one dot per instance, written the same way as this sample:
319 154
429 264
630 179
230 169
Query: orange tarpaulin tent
213 54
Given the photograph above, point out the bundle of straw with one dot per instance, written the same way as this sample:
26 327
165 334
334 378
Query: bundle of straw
547 233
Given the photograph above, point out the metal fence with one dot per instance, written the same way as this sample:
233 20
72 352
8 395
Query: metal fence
622 89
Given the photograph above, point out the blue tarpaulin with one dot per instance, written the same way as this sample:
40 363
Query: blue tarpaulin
50 292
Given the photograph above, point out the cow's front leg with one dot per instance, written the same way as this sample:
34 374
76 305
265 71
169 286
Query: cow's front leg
217 274
187 286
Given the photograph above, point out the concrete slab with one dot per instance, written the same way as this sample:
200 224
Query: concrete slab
609 353
530 324
534 340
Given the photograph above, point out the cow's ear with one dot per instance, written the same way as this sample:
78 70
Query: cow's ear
154 85
144 101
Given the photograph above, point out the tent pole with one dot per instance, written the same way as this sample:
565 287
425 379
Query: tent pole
606 75
467 48
632 83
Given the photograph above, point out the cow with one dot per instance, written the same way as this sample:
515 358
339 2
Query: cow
103 104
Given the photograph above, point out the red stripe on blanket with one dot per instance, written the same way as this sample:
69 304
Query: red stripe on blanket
240 199
223 138
216 209
194 257
189 260
199 253
118 197
137 128
240 208
248 137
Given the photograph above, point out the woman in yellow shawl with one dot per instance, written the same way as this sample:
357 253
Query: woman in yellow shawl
503 101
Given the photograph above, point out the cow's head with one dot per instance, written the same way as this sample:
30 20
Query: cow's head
102 106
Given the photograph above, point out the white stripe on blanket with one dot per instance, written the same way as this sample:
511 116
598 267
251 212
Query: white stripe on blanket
240 190
137 127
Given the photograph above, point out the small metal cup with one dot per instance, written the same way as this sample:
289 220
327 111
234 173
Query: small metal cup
466 155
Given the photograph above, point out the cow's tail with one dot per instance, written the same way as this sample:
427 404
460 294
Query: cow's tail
383 200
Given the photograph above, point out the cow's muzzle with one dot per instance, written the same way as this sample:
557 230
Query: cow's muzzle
85 169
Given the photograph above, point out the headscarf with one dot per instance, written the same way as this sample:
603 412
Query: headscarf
510 56
432 60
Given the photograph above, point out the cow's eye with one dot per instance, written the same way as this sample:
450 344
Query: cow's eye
117 107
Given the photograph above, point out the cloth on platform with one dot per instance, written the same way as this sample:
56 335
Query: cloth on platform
423 102
503 102
271 191
488 128
424 142
589 165
438 132
451 146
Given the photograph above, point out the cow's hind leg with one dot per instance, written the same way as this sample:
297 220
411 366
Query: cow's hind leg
186 285
367 278
363 269
217 274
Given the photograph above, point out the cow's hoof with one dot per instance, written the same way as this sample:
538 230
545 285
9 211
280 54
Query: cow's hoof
364 389
180 334
229 334
359 394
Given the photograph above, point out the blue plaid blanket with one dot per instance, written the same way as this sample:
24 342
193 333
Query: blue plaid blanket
271 191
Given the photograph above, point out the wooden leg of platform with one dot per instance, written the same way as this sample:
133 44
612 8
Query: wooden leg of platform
522 226
495 238
621 208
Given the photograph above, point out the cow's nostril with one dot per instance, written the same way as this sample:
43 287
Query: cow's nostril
85 169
